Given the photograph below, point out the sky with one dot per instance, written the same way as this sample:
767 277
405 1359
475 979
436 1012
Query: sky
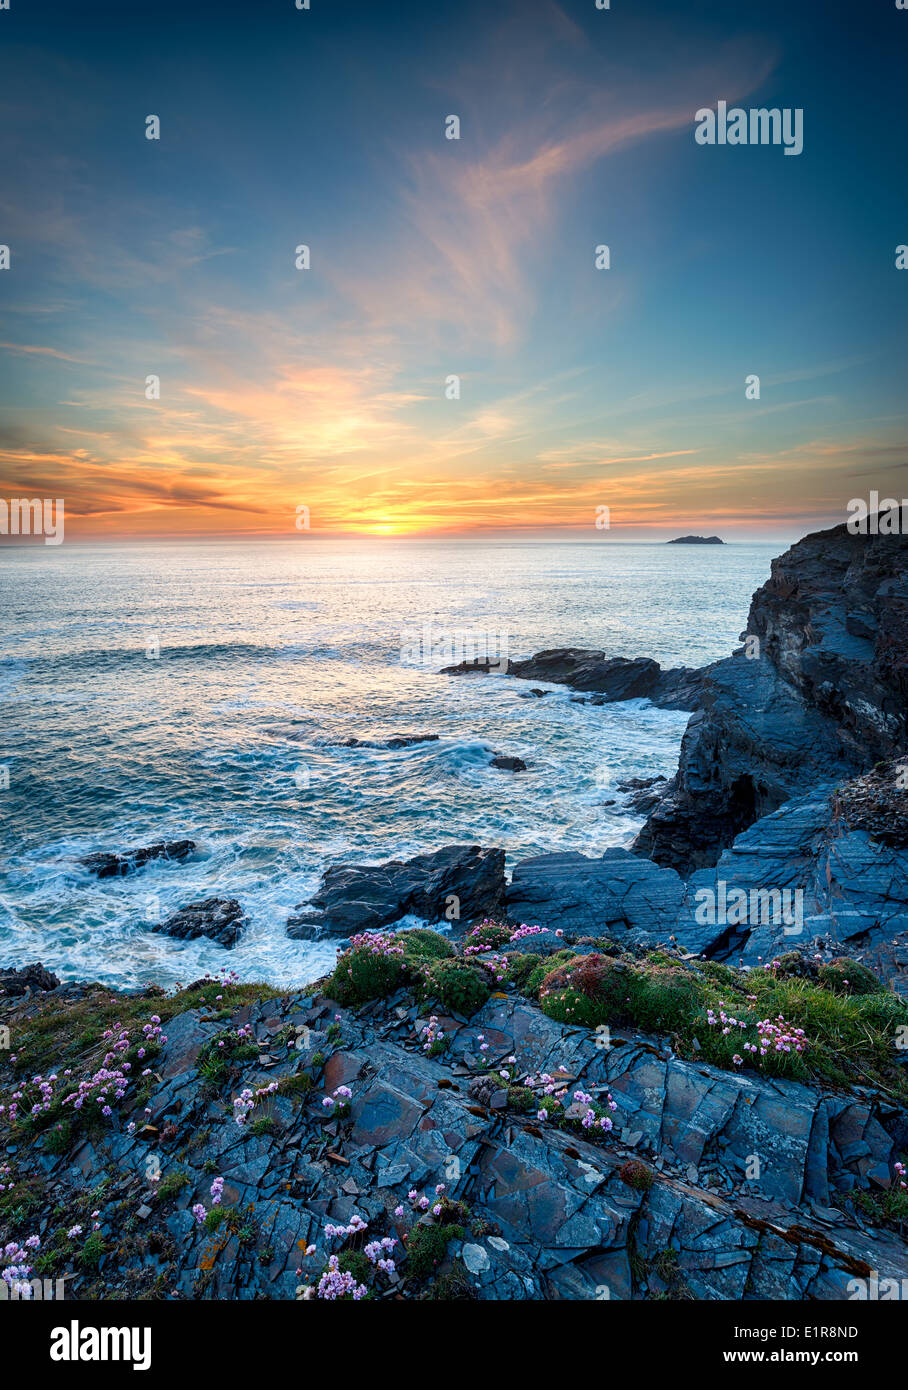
325 388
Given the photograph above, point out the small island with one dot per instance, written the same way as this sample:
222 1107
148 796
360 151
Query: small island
696 540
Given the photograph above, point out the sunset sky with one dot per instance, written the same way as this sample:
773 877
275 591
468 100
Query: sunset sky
325 388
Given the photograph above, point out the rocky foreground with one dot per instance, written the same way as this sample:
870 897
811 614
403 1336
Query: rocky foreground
684 1078
427 1125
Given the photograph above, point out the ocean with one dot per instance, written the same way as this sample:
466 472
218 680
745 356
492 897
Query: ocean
174 690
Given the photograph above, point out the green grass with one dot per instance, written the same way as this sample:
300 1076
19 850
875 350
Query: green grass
850 1036
171 1185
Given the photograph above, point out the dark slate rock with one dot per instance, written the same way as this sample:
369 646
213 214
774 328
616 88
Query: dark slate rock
395 741
823 694
508 763
853 887
357 898
606 678
27 980
110 865
550 1216
220 918
619 895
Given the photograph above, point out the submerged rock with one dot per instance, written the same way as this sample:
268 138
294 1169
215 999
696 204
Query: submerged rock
508 763
395 741
220 918
110 865
355 898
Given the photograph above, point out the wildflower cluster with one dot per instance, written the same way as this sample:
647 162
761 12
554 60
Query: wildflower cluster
39 1098
374 1254
772 1035
353 1228
247 1099
433 1037
17 1269
217 1192
338 1103
339 1283
489 936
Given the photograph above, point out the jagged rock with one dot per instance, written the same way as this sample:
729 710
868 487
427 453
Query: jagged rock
644 792
395 741
854 885
619 895
220 918
110 865
821 695
356 898
28 978
606 678
508 763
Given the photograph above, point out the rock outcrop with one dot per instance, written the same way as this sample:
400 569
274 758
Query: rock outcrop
362 897
823 860
111 865
30 979
605 678
819 691
220 918
618 895
506 762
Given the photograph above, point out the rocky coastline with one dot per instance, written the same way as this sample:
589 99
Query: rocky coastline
675 1071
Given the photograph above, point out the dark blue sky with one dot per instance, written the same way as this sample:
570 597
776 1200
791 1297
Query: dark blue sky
430 257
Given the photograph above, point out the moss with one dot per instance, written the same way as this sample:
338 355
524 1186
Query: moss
637 1175
522 1099
356 1263
454 983
363 973
849 977
543 968
295 1086
172 1184
882 1208
588 990
454 1286
427 1246
264 1125
59 1139
89 1257
421 942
